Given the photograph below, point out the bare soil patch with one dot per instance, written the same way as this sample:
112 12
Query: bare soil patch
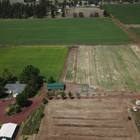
87 119
86 11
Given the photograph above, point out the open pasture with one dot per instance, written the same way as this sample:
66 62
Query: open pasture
49 60
61 31
136 31
109 68
126 13
87 119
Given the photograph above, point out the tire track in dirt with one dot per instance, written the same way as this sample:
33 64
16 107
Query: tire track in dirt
87 67
108 67
128 64
126 30
119 68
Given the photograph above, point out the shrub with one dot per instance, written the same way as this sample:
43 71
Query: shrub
91 15
63 95
48 95
106 14
129 118
96 14
70 94
75 15
81 15
44 101
14 109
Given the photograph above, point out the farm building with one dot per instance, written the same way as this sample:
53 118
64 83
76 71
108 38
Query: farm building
7 131
14 89
56 86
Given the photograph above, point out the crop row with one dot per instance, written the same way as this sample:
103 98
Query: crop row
109 67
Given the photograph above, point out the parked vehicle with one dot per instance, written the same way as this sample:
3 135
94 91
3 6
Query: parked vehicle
134 108
8 99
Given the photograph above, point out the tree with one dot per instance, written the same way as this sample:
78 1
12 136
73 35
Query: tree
70 94
62 95
44 101
2 84
81 15
51 80
63 13
96 14
78 95
21 100
28 74
6 74
106 14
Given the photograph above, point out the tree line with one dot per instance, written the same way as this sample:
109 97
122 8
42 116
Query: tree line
23 10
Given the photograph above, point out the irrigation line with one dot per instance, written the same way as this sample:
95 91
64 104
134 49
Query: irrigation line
136 63
119 68
108 67
128 64
97 69
87 67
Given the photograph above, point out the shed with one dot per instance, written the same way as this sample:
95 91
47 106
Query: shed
15 89
56 86
7 131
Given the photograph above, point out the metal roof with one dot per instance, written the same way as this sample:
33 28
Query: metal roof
14 88
7 130
55 86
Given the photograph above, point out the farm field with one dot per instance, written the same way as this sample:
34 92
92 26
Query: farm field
87 119
49 60
126 13
71 70
136 31
61 31
109 68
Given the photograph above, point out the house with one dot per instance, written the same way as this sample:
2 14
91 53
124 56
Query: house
14 89
56 86
8 131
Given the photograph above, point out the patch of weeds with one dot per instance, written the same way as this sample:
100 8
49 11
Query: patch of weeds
32 125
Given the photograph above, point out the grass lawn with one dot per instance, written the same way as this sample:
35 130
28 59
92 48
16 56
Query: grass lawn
50 60
126 13
136 31
61 31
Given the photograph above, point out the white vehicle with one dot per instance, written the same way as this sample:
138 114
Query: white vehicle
134 108
8 99
77 5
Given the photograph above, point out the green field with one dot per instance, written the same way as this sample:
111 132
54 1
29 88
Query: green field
50 60
126 13
136 31
110 67
61 31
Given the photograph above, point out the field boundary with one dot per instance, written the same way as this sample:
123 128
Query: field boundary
126 30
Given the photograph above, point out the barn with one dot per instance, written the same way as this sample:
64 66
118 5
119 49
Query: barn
8 131
56 86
